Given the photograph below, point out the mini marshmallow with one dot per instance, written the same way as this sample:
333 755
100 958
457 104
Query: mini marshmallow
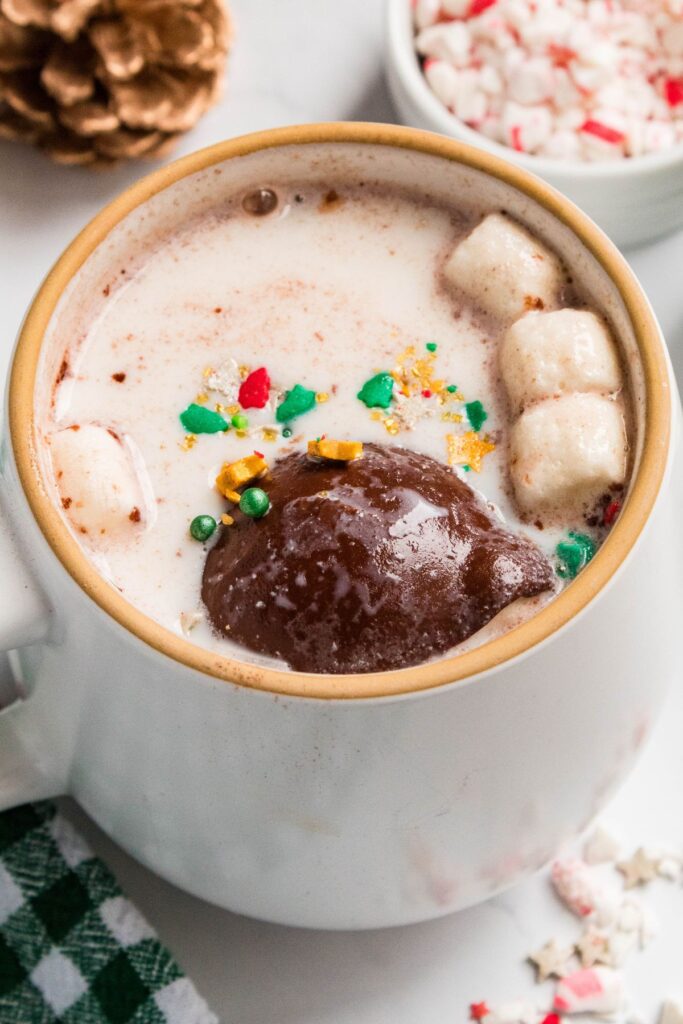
591 990
567 451
98 484
504 270
449 41
443 80
546 354
610 73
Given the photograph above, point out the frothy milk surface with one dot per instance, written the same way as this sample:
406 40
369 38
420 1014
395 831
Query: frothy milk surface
325 291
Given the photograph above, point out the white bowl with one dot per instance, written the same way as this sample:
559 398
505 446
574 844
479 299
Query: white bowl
633 201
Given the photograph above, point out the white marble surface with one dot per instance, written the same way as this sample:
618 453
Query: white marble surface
299 61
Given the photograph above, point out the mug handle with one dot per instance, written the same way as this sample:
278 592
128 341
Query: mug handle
24 620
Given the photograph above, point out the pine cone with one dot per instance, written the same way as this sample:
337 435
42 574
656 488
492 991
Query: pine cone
97 81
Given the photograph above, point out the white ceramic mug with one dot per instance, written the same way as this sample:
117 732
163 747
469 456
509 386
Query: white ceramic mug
286 796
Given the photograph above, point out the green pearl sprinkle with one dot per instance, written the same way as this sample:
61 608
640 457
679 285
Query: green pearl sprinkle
202 527
239 421
287 432
573 555
452 388
254 502
431 346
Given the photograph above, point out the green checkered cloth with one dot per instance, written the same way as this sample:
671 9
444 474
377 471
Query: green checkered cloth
73 949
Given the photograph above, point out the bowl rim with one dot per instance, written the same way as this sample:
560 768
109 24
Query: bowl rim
404 60
405 682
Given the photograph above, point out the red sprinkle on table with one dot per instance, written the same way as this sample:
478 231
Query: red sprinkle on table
478 1011
426 393
254 389
552 1018
260 454
673 91
603 131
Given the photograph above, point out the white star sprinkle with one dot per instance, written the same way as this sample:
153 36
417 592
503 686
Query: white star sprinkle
552 960
639 870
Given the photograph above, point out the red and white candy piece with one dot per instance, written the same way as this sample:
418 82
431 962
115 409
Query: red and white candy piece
581 890
591 990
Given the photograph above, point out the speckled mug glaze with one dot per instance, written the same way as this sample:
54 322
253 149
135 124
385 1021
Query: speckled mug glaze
284 795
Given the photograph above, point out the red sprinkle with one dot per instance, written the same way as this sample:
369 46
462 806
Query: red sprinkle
260 454
603 131
552 1018
611 512
561 56
426 393
516 136
478 1011
253 393
673 91
479 6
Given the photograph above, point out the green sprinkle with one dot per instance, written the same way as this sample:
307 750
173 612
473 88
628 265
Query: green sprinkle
287 432
452 388
296 402
202 527
197 419
476 414
573 555
377 392
466 468
254 502
431 346
239 421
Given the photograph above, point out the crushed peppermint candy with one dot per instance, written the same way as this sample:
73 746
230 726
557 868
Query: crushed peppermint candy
582 80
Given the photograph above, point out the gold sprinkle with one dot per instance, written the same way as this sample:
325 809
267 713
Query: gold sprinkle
207 371
467 450
242 433
233 409
237 474
269 434
202 398
243 371
323 494
376 415
227 520
336 451
391 426
233 496
188 442
321 397
219 407
451 417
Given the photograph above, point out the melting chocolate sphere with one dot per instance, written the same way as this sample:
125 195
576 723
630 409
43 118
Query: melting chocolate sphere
366 566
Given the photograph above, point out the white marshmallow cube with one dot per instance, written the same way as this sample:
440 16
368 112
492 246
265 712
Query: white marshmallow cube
565 452
546 354
97 482
504 270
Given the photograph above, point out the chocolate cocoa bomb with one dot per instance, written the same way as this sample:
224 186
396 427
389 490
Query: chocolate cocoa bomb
367 566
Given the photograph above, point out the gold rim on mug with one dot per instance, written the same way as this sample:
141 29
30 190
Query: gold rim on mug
556 614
